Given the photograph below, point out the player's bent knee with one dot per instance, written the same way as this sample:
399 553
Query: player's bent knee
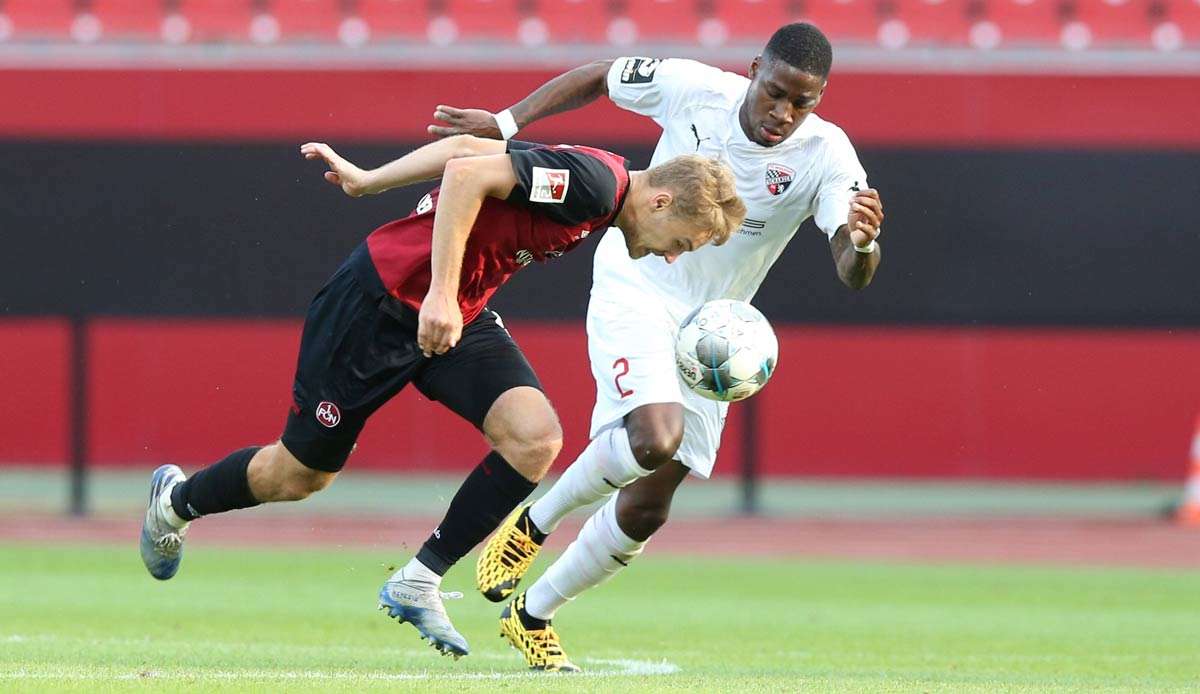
532 454
304 484
654 447
275 474
641 519
655 433
523 428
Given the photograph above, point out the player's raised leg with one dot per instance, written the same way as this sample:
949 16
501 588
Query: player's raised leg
637 426
242 479
487 381
616 457
612 538
331 402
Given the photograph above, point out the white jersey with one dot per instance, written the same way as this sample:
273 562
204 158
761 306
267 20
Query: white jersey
812 173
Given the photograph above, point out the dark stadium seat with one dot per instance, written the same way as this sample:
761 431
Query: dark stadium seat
38 19
1026 22
843 20
575 21
663 20
406 20
1123 22
308 20
130 19
944 22
1185 15
752 20
218 20
487 20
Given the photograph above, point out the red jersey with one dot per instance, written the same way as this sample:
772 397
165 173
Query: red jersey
563 193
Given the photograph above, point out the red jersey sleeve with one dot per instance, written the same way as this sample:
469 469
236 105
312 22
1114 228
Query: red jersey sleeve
569 185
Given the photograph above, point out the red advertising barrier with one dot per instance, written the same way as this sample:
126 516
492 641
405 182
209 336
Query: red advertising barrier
905 402
190 391
35 368
962 402
884 109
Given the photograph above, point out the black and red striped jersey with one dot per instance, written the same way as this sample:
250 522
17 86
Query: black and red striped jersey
563 193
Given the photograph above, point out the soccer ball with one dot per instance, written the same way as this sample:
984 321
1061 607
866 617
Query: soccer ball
726 350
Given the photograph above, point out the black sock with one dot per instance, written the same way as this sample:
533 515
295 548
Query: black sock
535 533
490 492
529 621
222 486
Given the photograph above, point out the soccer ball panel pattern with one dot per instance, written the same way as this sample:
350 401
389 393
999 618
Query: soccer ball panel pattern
726 350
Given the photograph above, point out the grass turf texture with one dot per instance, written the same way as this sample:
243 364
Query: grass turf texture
89 618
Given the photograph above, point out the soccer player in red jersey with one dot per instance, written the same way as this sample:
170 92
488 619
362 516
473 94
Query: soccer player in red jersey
410 306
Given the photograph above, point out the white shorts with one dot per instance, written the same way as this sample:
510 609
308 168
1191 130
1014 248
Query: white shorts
631 343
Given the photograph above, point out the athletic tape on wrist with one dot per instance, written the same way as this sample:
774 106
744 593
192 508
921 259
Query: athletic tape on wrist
506 123
867 249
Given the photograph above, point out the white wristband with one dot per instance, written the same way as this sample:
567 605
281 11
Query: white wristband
867 249
506 123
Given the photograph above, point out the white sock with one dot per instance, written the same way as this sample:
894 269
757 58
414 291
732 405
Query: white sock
601 550
416 572
168 511
604 466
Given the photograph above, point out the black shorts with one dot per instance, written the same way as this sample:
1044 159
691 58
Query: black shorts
359 348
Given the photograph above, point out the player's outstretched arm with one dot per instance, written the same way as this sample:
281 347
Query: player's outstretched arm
465 184
422 164
855 251
570 90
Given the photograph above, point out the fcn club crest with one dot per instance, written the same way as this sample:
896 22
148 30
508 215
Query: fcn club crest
328 414
779 177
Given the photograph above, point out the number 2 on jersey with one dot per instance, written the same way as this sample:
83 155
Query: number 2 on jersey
623 365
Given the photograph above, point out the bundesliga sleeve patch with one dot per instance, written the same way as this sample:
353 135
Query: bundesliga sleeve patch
549 185
639 70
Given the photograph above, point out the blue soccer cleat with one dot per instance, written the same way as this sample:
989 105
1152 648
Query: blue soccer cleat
420 604
161 542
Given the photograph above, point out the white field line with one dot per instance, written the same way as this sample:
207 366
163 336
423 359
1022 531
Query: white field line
236 647
607 666
627 668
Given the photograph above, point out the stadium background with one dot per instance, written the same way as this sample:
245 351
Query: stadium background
1036 316
960 473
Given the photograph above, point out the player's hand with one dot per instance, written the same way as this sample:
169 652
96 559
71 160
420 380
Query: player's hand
464 121
866 217
352 180
440 324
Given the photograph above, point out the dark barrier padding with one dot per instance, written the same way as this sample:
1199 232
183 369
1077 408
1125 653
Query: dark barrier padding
981 237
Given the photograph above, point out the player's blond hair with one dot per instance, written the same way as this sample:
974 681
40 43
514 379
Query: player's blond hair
704 192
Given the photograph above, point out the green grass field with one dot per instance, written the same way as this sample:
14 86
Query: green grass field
89 619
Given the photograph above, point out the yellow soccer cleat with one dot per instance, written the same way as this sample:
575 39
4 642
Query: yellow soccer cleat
507 555
539 646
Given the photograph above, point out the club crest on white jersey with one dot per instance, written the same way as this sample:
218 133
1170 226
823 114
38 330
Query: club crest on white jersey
779 177
699 109
549 185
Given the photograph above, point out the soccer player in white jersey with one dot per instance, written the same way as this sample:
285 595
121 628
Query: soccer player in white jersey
647 432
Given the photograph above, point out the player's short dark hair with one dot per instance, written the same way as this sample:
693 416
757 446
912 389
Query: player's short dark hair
802 46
